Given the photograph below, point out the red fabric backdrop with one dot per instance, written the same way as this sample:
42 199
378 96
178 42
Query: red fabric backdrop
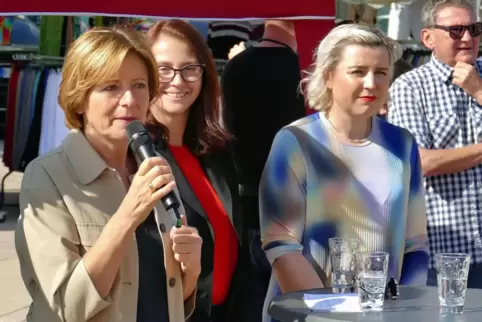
308 35
314 18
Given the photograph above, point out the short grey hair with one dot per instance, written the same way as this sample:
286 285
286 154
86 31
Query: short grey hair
432 7
328 55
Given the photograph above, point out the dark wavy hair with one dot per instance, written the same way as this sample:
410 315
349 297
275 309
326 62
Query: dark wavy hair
204 132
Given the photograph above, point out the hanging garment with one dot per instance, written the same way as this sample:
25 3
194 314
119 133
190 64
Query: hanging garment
51 35
99 21
69 33
35 122
10 117
33 141
25 115
53 129
81 25
405 20
21 85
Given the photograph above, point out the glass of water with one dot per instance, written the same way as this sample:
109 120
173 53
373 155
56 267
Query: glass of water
343 263
371 273
452 273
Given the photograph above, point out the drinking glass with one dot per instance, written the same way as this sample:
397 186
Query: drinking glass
371 273
343 263
452 273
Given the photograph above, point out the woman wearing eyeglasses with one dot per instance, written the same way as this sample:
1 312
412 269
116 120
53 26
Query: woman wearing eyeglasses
184 121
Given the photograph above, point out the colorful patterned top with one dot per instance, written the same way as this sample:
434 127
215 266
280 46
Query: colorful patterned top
314 187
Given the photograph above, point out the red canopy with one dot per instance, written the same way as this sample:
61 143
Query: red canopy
314 18
213 9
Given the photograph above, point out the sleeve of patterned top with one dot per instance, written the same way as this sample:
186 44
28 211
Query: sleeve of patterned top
406 110
415 260
282 197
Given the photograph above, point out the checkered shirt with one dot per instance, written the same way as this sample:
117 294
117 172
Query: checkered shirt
441 115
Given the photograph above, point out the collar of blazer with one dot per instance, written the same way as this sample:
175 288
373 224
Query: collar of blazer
80 152
214 169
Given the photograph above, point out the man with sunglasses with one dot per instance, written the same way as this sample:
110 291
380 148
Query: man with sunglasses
441 104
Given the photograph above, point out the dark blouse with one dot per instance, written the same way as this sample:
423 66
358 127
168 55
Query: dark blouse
152 294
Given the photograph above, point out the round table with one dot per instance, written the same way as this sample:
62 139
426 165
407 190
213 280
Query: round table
415 304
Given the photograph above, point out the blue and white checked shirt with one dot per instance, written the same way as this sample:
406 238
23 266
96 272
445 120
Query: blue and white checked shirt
441 115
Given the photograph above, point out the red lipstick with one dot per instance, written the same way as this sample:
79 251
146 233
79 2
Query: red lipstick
368 98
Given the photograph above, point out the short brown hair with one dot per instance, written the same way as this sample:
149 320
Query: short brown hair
92 59
204 132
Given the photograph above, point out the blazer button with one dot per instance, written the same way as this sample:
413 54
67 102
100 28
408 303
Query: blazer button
162 227
172 282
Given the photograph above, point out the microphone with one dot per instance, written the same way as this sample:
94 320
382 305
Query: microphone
141 145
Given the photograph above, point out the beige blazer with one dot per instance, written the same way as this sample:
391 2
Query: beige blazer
66 198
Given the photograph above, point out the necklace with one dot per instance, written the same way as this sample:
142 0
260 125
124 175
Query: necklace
354 141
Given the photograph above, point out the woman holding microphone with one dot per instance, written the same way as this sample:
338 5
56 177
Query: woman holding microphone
87 235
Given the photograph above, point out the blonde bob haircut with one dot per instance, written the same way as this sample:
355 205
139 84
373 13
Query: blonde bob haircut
329 53
96 57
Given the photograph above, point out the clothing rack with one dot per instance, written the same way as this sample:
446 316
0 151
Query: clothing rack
21 56
16 48
50 60
6 60
7 52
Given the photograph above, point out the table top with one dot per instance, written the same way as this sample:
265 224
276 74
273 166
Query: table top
413 305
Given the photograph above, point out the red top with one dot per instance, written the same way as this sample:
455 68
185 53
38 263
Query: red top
225 239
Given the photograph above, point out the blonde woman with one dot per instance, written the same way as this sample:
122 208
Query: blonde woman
343 172
93 245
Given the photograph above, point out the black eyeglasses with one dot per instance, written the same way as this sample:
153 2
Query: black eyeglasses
189 73
457 32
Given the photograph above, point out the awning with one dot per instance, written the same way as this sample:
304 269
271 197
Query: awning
209 9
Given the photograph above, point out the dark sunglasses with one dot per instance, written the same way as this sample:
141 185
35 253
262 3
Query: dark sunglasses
457 32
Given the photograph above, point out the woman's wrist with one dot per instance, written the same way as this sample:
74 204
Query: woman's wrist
126 223
189 282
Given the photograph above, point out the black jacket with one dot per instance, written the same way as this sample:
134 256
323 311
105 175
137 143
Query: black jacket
220 171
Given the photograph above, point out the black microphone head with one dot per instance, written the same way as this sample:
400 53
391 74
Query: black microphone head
137 134
135 127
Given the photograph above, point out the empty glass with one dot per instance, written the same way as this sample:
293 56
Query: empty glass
452 273
371 273
343 263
